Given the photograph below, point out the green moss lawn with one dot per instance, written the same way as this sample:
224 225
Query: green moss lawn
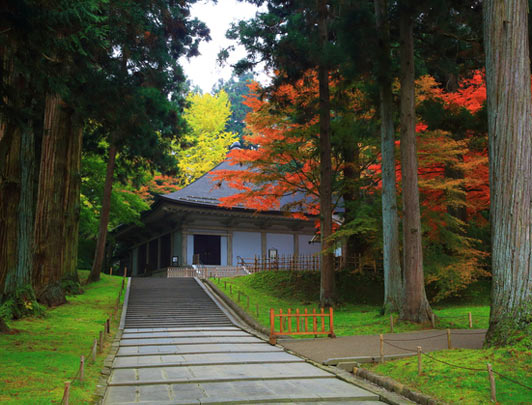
42 353
459 386
359 312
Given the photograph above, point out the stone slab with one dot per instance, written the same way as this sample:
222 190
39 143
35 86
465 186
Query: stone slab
189 341
200 328
182 334
214 373
204 348
328 390
204 358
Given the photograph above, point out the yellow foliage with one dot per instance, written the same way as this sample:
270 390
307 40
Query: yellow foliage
209 143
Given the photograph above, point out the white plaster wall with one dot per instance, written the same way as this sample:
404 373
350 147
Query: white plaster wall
308 249
283 242
246 245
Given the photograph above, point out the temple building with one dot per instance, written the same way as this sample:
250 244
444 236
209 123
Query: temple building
189 227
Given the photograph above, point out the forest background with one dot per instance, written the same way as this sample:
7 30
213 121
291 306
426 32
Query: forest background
376 110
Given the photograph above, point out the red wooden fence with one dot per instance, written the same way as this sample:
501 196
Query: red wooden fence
301 323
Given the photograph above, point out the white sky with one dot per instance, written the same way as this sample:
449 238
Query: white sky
204 70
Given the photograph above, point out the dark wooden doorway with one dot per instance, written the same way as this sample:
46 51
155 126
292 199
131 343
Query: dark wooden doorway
208 247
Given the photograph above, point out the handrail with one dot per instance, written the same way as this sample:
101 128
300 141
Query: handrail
289 316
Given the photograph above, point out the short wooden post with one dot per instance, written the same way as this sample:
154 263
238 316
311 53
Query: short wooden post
433 320
419 365
257 309
272 327
297 319
470 320
322 320
306 320
82 368
331 322
449 346
107 327
110 271
239 296
281 320
225 285
381 349
230 289
100 349
94 348
66 393
314 322
289 320
492 383
391 323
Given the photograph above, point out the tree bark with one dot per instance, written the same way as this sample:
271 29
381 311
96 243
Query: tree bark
327 285
510 151
71 204
104 216
416 307
393 278
351 195
53 239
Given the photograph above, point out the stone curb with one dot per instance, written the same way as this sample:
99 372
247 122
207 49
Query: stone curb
106 370
395 386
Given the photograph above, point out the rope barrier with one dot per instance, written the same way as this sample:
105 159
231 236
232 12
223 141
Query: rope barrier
414 339
512 380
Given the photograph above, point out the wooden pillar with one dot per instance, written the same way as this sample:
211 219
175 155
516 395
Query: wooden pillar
184 241
296 244
230 248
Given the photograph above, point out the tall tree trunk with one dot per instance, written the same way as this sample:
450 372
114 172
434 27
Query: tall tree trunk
104 216
10 179
55 179
351 196
510 152
327 285
71 204
416 307
393 278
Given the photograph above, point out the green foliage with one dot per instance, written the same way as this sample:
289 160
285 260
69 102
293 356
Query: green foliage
126 205
237 88
22 304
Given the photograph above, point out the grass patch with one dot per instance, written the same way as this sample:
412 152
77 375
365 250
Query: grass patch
42 353
455 385
359 311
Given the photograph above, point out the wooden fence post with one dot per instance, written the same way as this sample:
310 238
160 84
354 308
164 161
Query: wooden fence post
101 342
82 368
449 346
94 348
273 340
66 393
381 348
492 383
419 364
111 271
470 320
433 320
331 322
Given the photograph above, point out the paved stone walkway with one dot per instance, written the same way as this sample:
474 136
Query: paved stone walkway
211 361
